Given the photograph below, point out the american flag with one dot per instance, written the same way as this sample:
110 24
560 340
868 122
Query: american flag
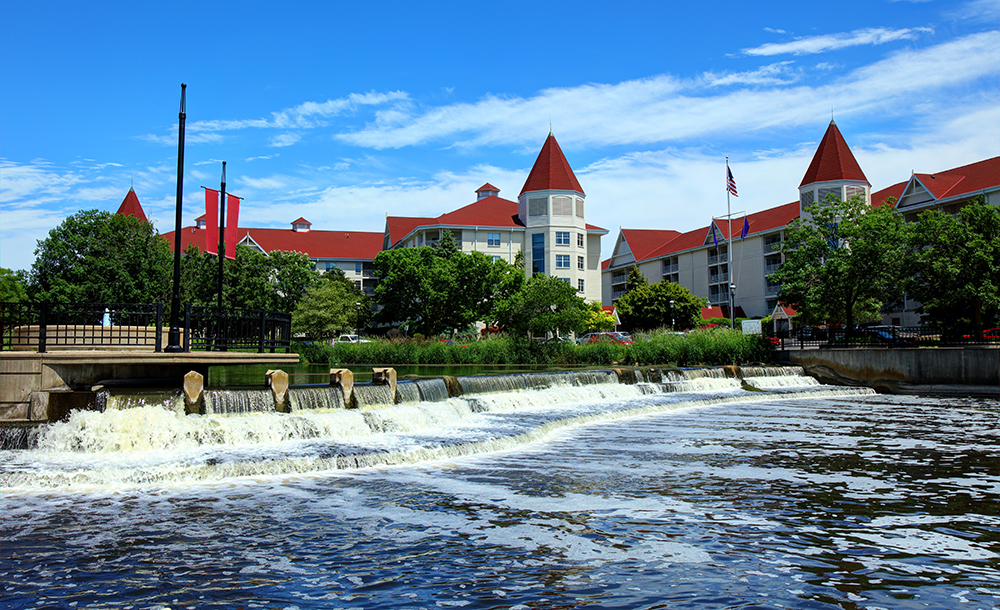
731 182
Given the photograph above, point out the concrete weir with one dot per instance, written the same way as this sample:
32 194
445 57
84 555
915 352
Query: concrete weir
43 387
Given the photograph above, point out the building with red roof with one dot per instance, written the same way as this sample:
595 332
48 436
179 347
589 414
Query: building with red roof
700 260
131 207
547 223
350 251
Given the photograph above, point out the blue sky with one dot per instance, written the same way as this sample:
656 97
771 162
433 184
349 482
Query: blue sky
346 112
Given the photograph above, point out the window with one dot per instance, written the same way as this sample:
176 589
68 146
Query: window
565 279
579 286
562 261
329 266
538 253
538 207
579 208
579 240
579 263
493 240
562 238
854 191
806 199
357 268
562 206
496 258
824 192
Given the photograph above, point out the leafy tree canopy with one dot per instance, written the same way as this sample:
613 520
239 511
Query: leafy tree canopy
12 286
843 263
648 307
543 304
635 279
599 320
955 267
100 257
432 291
330 307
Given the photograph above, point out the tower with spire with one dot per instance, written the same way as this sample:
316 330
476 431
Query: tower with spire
551 208
833 171
131 207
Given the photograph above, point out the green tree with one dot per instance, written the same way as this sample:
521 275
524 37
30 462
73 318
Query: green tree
99 257
330 307
13 288
543 304
597 319
955 267
648 307
635 279
432 293
844 263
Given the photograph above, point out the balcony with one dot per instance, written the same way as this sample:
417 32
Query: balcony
718 278
715 260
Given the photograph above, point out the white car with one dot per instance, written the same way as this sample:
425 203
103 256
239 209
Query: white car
349 339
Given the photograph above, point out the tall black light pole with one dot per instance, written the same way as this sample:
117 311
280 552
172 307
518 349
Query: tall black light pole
222 229
174 335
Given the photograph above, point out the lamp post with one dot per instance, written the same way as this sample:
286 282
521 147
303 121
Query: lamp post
174 334
672 328
732 305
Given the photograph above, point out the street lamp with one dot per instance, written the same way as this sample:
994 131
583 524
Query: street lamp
672 329
732 305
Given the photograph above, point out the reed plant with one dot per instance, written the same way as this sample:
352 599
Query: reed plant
715 346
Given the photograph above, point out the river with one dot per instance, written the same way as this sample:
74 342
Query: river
700 494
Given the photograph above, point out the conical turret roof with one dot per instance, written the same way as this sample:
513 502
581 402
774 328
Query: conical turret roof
833 160
131 207
551 171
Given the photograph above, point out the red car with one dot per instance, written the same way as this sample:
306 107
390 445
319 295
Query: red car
620 338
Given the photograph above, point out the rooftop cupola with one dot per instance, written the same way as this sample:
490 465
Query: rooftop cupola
833 171
487 190
301 225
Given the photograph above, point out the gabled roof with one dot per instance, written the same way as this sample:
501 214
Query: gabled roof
895 191
300 220
131 207
833 160
551 171
642 242
487 187
488 212
964 180
336 245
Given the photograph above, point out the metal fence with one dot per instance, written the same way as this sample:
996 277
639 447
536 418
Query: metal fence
43 326
882 337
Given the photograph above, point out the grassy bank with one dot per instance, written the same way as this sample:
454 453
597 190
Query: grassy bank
717 346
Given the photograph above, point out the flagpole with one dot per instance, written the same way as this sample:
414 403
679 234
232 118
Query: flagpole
729 254
222 229
174 334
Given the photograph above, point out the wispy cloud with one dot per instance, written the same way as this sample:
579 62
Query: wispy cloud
832 42
285 139
986 11
667 109
772 74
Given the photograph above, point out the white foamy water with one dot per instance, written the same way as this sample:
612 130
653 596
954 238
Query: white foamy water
605 495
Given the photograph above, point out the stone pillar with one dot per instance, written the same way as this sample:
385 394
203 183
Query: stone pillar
385 376
343 379
194 388
277 381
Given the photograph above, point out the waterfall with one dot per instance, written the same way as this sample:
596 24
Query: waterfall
698 380
432 390
172 400
370 395
325 398
491 384
238 402
407 392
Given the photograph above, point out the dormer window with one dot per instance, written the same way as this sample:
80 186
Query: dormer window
487 190
301 225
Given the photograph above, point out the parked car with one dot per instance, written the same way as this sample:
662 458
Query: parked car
616 337
349 339
991 333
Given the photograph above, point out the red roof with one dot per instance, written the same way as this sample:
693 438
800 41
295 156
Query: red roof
487 187
300 220
605 264
488 212
643 242
833 160
721 312
551 171
131 207
964 180
879 197
342 245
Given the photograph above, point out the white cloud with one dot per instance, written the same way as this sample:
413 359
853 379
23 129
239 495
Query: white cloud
774 31
986 11
772 74
666 109
285 139
831 42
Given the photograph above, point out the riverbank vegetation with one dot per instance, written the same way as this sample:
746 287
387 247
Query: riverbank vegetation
716 346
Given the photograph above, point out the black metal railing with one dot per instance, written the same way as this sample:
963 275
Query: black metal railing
881 337
44 326
222 329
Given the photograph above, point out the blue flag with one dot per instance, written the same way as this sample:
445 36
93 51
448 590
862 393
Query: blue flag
746 229
714 240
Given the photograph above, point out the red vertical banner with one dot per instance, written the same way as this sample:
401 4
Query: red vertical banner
212 221
232 220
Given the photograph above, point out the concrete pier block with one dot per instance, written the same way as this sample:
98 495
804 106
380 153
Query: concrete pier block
277 381
385 376
343 379
194 389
